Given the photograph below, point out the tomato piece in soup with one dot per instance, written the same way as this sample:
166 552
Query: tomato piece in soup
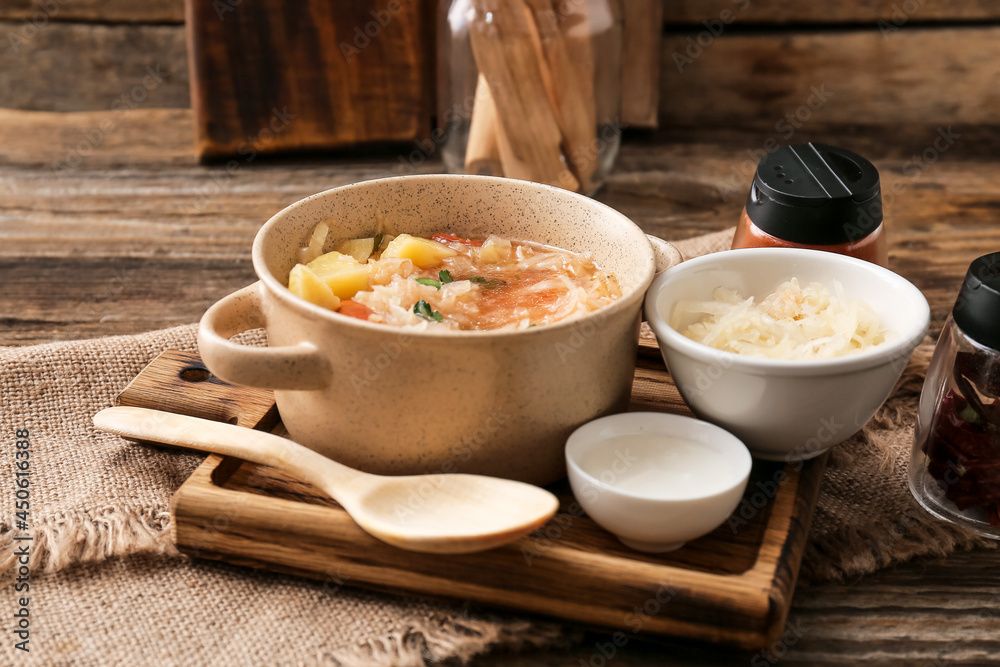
354 309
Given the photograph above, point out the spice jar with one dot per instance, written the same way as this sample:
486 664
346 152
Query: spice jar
530 89
955 464
815 196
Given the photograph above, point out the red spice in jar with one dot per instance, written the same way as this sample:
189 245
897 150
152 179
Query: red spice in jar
817 197
955 464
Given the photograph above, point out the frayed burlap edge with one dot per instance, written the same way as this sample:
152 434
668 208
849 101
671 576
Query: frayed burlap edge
858 551
77 537
448 638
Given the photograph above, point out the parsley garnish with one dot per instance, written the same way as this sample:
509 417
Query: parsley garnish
423 309
444 277
429 281
487 283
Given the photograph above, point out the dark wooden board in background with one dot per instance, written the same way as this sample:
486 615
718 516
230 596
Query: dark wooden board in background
272 76
641 63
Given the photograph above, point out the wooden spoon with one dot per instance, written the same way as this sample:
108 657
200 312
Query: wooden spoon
442 513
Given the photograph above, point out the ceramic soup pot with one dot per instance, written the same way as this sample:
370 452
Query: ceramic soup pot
394 401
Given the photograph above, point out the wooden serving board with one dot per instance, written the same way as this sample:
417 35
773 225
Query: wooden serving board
733 586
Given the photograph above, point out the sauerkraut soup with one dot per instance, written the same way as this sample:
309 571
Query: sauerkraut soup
450 282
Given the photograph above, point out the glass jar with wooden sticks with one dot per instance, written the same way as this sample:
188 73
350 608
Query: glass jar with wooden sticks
530 89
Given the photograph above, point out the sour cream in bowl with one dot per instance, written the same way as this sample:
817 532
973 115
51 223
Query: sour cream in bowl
656 480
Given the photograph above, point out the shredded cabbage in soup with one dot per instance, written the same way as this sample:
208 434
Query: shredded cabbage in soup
793 322
450 282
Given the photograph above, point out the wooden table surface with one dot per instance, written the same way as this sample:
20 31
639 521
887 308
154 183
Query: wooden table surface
109 226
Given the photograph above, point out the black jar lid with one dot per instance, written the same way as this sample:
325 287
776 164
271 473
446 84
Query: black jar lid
977 309
815 194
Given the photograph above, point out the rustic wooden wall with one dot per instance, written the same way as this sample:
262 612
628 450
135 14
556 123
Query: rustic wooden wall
929 61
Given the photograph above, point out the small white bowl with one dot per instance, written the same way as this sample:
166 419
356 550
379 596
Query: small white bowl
648 501
786 410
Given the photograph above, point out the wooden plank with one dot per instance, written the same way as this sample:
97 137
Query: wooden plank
145 140
850 11
141 195
91 140
947 76
76 67
925 75
89 297
641 62
275 76
41 12
675 12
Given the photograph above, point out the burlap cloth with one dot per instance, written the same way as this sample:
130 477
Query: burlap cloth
107 587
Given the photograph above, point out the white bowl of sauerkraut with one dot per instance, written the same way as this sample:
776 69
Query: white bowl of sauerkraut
791 350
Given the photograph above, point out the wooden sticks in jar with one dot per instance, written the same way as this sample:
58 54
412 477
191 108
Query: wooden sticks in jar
534 116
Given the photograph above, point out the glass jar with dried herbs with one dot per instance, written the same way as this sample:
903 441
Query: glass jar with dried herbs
955 466
530 89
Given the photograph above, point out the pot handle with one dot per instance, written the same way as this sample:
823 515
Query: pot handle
300 366
664 254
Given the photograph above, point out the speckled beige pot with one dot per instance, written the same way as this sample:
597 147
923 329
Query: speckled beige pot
388 401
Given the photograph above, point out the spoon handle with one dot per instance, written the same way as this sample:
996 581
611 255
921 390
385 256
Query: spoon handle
229 440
